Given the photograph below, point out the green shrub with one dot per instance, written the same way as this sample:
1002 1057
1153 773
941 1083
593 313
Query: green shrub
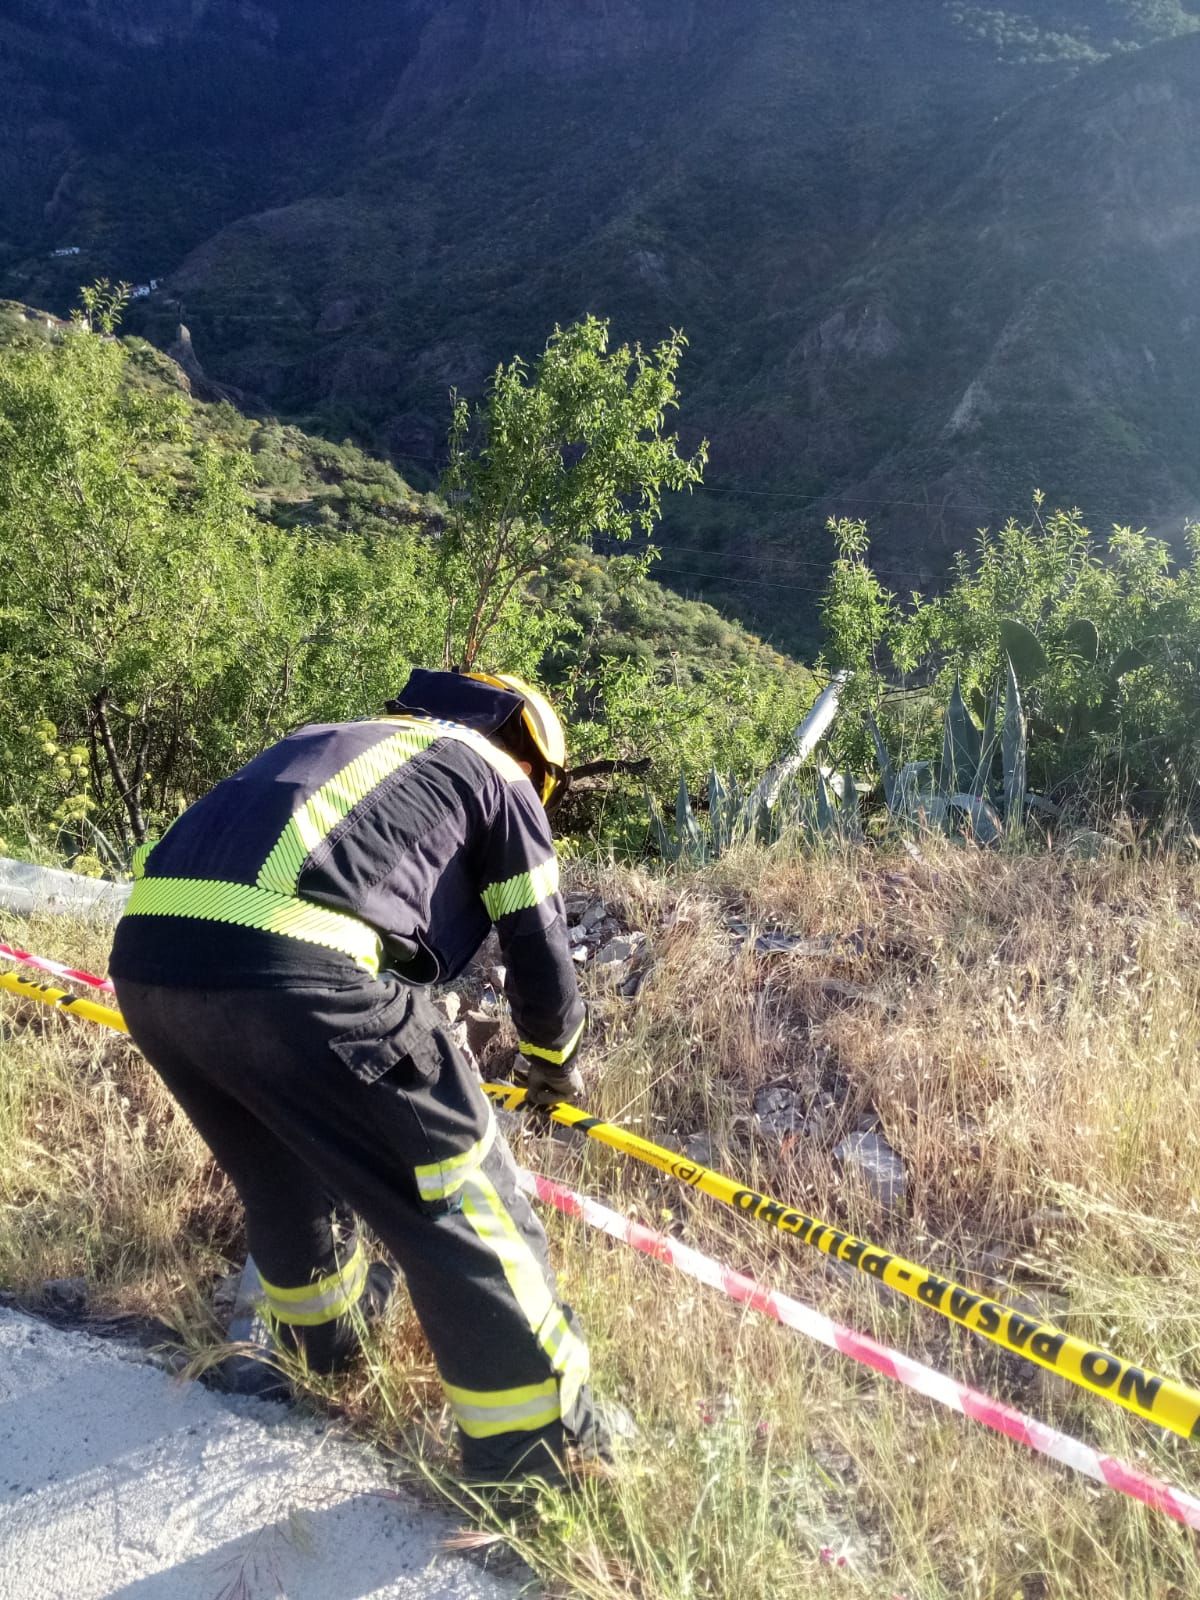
1104 636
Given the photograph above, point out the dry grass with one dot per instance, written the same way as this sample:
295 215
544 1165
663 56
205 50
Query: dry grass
100 1175
1027 1038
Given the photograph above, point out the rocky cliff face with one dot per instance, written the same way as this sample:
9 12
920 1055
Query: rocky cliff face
459 43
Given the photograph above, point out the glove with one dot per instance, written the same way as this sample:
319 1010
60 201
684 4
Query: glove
547 1084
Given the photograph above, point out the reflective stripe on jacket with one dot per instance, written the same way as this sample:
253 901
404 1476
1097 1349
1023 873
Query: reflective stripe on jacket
401 839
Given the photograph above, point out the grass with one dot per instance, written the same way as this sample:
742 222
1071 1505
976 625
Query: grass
1026 1037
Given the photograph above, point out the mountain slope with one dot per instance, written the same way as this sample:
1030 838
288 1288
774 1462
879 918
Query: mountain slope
891 234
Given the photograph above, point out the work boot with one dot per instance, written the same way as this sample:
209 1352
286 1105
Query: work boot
599 1432
372 1307
606 1431
259 1375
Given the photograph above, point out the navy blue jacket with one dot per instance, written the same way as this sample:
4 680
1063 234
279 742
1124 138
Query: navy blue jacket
416 824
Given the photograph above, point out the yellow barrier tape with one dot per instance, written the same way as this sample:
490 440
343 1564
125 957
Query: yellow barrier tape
1162 1400
65 1001
1172 1405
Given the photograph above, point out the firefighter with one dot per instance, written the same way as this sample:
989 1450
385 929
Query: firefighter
272 965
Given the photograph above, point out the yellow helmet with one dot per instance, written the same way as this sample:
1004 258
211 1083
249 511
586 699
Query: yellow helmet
540 722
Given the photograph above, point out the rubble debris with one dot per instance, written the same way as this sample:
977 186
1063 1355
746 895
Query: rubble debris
787 1110
614 951
451 1004
598 937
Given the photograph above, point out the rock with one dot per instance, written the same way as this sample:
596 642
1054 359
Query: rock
870 1158
481 1029
698 1147
780 1109
580 954
576 905
629 988
459 1034
67 1297
577 936
451 1004
594 915
616 950
496 976
790 1110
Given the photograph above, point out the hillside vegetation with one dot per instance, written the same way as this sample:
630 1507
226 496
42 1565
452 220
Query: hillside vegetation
1016 1027
930 254
183 582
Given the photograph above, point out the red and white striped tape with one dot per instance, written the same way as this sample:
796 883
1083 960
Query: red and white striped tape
868 1352
994 1414
55 968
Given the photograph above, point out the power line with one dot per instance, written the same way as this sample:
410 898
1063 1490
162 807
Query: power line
829 496
835 495
742 583
673 549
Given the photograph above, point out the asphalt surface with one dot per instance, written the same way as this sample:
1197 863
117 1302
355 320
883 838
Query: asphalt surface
117 1482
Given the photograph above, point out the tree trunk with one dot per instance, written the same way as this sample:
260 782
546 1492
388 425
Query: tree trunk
127 793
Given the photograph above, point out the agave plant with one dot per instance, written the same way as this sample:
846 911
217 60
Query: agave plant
980 786
826 809
778 805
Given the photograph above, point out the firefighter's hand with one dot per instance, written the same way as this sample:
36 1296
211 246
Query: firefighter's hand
546 1084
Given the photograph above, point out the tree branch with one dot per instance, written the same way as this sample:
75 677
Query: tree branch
597 769
126 793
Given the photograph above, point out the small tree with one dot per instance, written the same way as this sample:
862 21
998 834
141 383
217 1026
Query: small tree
551 459
126 560
155 630
102 305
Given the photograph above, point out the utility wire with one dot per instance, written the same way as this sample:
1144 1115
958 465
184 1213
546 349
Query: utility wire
742 583
829 496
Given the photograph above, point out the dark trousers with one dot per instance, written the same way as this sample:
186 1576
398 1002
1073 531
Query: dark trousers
356 1097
